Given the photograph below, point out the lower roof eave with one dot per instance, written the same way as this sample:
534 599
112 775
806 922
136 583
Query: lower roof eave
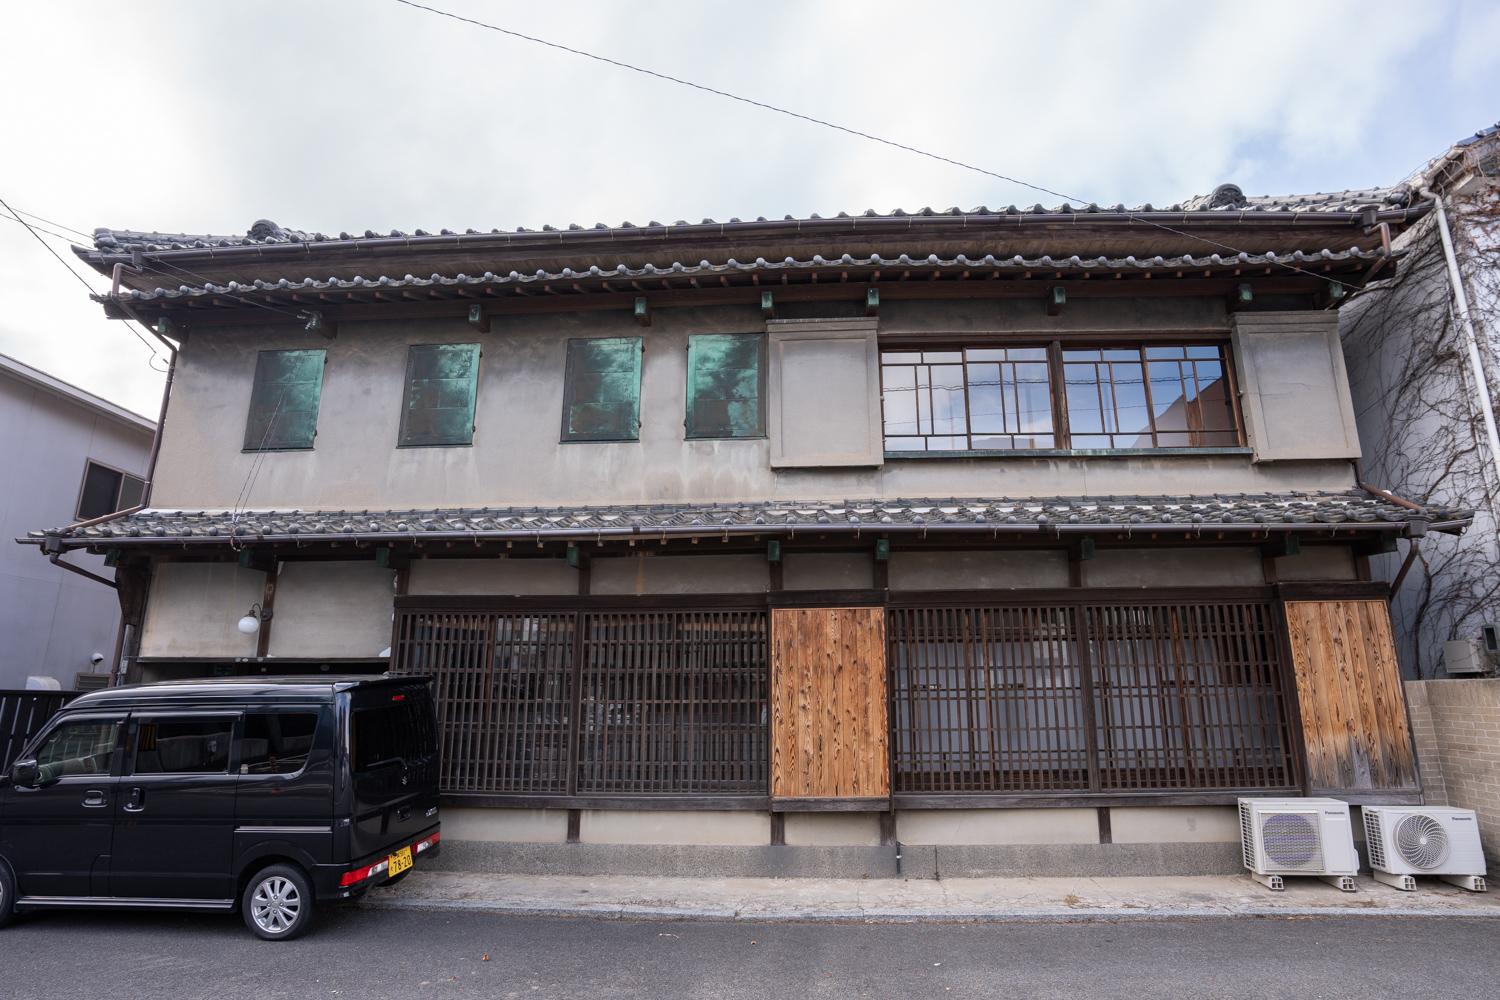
1144 533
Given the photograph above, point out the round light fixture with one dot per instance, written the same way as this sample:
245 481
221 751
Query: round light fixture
250 623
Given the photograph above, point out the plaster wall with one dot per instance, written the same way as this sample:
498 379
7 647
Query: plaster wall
1318 562
832 830
1294 390
53 621
515 826
1174 825
491 576
648 573
978 569
332 609
1208 567
624 826
827 571
193 608
997 826
516 459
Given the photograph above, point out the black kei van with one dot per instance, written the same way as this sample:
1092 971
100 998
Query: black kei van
272 795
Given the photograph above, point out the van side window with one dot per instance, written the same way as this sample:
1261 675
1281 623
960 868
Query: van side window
77 748
183 746
276 742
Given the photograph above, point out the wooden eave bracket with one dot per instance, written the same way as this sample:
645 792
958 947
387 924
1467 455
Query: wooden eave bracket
478 318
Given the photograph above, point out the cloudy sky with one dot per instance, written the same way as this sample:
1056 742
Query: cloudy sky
179 115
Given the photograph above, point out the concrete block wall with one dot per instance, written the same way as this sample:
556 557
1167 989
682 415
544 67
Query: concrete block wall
1456 726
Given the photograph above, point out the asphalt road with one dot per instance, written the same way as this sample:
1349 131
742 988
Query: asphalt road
370 953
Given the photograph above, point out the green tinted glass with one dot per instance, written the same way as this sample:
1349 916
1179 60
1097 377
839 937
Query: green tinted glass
602 396
441 380
725 388
284 401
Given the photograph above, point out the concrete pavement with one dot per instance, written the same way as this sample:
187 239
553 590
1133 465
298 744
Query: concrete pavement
894 900
375 953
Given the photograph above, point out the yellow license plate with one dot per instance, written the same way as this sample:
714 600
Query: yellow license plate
399 862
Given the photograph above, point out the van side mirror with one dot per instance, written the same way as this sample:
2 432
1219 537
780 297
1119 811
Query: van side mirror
24 774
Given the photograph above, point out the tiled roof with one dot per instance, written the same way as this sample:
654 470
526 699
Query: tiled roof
1233 513
1072 265
1225 200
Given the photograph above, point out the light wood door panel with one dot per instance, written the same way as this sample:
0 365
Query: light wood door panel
828 703
1349 690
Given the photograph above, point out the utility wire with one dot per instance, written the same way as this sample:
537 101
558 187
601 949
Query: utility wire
41 229
88 237
45 245
1133 216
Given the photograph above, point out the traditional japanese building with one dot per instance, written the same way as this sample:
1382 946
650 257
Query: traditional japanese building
1017 540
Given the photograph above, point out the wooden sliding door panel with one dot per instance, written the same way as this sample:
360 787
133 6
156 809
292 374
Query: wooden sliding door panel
1349 688
828 703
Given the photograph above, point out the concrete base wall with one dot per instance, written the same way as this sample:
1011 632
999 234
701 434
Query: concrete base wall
931 843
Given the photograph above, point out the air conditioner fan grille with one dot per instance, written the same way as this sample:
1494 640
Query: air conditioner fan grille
1290 840
1421 841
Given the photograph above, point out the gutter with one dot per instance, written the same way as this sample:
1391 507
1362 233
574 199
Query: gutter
1471 339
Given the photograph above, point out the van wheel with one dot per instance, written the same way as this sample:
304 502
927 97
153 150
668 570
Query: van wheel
278 903
7 895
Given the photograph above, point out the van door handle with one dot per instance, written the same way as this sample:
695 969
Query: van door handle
93 798
137 800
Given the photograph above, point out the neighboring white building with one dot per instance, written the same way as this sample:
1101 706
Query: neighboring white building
67 455
1421 416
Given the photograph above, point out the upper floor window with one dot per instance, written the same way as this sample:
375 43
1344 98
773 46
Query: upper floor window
602 390
284 400
988 399
437 407
106 491
725 388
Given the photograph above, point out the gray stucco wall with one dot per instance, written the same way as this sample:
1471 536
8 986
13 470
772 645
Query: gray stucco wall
52 621
516 457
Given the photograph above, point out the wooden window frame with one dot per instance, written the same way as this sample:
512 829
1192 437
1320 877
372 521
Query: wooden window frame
411 355
1056 369
762 359
252 446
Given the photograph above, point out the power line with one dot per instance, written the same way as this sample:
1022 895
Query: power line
1133 216
87 236
46 246
57 236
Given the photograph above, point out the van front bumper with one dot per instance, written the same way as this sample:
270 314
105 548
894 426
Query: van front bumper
332 882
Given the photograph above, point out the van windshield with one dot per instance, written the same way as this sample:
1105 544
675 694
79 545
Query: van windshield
398 730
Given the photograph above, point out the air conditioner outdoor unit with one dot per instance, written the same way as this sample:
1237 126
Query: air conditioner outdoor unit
1464 657
1424 840
1298 837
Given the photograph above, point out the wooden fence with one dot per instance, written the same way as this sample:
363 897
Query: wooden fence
22 715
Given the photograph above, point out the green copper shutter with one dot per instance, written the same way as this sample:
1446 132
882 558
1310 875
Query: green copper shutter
438 408
602 394
725 388
284 400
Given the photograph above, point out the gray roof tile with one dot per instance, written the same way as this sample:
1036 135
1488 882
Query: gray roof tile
1232 512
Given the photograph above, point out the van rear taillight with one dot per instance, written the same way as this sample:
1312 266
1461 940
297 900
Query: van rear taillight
425 843
398 697
358 875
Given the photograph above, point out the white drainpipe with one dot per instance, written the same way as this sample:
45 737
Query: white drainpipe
1471 340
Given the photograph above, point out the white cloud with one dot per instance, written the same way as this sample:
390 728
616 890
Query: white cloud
366 114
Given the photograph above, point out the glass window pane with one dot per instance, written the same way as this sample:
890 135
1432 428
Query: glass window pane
1211 352
1085 407
602 394
182 746
101 492
438 404
1163 353
83 747
942 357
1169 397
901 358
1080 355
987 399
724 385
905 444
276 742
948 416
131 491
284 400
900 400
1216 409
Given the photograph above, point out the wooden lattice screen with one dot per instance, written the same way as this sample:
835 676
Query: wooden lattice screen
595 702
1088 698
